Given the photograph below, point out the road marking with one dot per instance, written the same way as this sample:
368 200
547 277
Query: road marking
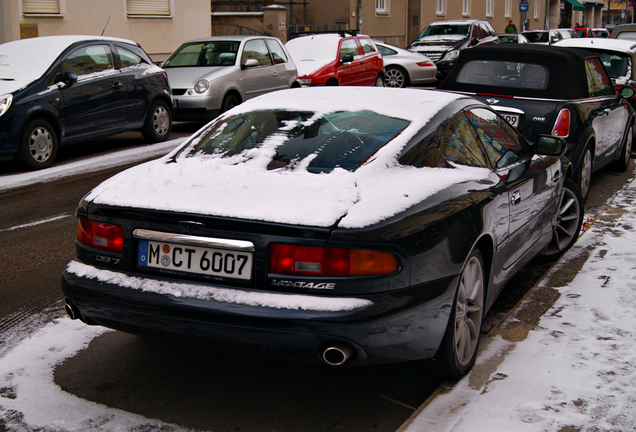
41 221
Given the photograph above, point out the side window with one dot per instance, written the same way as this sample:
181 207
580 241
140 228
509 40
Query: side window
367 45
386 51
427 152
128 58
461 145
256 49
598 82
498 138
278 53
88 60
348 46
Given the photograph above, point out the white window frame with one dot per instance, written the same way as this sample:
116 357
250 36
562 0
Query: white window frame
382 7
440 7
536 9
149 8
507 9
489 8
43 7
465 7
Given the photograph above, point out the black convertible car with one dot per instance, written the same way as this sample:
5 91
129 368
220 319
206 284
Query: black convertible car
342 225
565 92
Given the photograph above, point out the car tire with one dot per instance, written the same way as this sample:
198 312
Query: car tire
458 350
158 122
229 101
583 174
567 223
379 81
38 145
395 77
622 163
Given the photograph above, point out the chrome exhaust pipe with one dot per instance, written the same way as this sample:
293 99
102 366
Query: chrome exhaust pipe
71 310
337 354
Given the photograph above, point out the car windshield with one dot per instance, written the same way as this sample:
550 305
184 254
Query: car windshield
445 29
535 37
315 141
501 73
216 53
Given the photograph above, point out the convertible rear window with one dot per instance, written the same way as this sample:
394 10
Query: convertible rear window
501 73
318 142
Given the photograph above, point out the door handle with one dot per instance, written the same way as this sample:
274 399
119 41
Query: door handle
275 74
515 198
556 177
117 85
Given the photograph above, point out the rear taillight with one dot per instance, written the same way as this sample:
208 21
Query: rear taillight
326 261
562 125
425 63
100 235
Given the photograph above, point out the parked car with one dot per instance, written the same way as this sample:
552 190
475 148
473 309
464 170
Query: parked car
56 90
567 33
344 58
211 75
542 37
601 33
584 32
552 90
618 57
403 68
442 41
512 38
346 225
624 31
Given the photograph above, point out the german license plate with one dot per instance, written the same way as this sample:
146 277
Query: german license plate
513 119
195 259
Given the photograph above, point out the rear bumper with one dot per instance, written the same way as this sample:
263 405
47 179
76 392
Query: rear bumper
381 328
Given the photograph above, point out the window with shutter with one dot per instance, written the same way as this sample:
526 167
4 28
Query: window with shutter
41 7
144 8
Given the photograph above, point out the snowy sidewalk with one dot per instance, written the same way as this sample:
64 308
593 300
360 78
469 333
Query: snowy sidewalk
576 370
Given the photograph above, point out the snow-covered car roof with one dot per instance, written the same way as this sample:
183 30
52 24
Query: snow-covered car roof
619 45
241 185
23 61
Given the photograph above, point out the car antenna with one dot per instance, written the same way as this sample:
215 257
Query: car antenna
105 26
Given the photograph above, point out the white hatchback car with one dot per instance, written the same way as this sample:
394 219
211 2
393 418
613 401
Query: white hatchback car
209 76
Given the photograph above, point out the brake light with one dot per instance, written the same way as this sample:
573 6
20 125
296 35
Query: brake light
326 261
562 125
100 235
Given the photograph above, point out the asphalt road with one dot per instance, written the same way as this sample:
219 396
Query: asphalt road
198 387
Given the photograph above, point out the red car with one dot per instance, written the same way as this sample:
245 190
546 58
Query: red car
345 58
584 32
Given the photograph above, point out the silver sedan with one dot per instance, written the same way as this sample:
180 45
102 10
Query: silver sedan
403 68
209 76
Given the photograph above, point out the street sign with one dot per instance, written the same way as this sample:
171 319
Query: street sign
524 6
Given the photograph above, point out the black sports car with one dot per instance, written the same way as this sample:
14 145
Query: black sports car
565 92
347 225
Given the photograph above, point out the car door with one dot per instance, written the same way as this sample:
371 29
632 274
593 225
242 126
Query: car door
138 82
96 103
531 187
610 116
283 71
260 77
351 70
373 64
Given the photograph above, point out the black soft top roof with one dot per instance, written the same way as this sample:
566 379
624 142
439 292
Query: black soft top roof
566 68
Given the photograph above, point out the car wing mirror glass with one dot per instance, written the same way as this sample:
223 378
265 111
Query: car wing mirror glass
250 63
627 92
549 145
347 59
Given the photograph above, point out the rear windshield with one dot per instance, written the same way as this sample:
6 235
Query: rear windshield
217 53
535 37
316 142
501 73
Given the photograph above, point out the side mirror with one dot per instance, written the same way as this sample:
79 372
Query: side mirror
627 92
68 79
347 59
249 63
548 145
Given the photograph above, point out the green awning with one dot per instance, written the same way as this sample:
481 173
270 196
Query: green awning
576 5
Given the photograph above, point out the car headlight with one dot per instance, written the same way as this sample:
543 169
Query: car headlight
5 103
451 55
201 86
304 81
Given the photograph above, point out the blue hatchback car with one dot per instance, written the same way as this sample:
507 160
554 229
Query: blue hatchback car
57 90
